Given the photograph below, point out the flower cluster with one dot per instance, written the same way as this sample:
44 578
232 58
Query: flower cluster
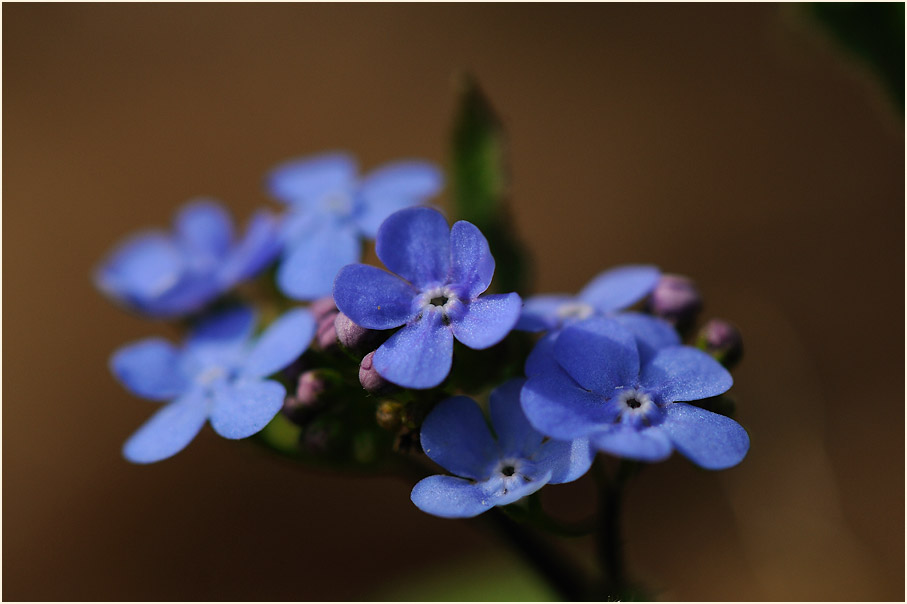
386 376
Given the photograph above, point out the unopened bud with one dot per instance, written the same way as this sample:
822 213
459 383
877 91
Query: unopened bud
722 340
676 300
355 338
369 377
326 334
312 390
390 415
322 306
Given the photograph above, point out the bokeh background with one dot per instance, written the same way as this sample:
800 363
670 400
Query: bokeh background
734 143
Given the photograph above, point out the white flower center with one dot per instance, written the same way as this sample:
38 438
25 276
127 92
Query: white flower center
439 298
340 203
575 310
634 406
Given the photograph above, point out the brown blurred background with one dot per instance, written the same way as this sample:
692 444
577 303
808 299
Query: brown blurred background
730 143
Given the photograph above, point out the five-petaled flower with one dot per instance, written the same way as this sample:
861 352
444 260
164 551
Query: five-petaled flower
491 471
333 209
169 275
607 293
601 389
219 376
444 270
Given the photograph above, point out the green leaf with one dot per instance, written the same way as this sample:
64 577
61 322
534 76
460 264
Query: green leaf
873 32
479 170
480 182
488 578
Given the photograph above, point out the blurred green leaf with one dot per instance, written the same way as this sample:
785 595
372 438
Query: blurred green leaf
873 32
486 579
479 170
480 182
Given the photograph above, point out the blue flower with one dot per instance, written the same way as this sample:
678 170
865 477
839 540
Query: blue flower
333 209
599 389
172 274
605 295
217 376
445 270
494 471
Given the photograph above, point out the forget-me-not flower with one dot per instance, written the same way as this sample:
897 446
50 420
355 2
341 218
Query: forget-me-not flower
442 272
332 209
218 376
491 470
607 293
172 274
601 390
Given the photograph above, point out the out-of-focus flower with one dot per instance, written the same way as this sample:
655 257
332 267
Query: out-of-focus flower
218 376
173 274
491 471
332 209
676 300
722 340
608 293
599 389
442 272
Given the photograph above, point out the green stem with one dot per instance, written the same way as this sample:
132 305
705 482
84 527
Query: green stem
608 536
558 571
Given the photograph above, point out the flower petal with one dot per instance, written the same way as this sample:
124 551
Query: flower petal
150 369
709 440
394 187
205 227
417 356
450 497
567 460
541 358
456 437
599 354
503 491
620 287
540 313
311 263
487 320
169 430
373 298
230 327
259 246
280 344
558 407
415 244
516 436
243 408
647 444
306 179
471 262
651 333
141 268
684 373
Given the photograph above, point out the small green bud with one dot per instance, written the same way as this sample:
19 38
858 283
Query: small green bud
722 340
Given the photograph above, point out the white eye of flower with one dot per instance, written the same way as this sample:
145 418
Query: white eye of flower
442 298
635 402
575 310
338 203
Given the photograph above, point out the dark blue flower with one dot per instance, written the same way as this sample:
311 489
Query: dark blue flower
599 389
444 270
219 376
494 471
172 274
333 209
605 295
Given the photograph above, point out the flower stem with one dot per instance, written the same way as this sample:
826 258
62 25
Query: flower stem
609 543
557 570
